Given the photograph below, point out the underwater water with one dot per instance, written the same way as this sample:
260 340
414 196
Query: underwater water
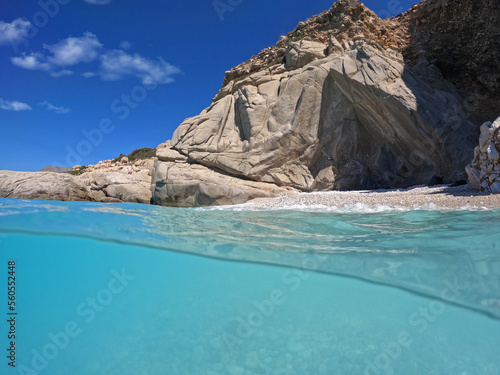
135 289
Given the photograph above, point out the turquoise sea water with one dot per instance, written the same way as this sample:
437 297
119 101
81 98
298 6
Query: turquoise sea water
135 289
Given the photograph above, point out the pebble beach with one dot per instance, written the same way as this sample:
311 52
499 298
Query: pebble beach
437 197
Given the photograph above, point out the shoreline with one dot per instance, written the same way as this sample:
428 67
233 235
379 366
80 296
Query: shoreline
436 197
441 197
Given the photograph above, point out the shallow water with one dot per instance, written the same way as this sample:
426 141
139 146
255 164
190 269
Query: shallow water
133 289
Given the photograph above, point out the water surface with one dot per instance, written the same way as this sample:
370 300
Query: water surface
133 289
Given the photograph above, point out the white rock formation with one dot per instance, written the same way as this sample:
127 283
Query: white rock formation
357 119
484 170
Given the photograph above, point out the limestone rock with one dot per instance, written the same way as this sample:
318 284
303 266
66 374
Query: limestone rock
463 40
484 170
474 177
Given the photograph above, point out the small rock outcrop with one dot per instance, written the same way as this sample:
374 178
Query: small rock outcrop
484 170
180 182
42 185
103 182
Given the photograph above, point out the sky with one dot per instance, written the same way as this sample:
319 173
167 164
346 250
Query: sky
85 80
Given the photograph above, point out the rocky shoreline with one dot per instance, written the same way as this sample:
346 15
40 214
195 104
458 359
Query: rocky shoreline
108 182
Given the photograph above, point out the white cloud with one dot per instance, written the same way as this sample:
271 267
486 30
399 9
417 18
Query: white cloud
114 65
98 2
14 105
72 51
88 74
14 31
58 110
67 52
117 64
34 61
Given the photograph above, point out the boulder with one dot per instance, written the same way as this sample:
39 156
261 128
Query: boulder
131 192
181 184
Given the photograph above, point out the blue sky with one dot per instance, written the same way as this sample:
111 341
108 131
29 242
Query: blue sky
85 80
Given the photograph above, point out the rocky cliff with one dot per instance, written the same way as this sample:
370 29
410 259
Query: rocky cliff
344 101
